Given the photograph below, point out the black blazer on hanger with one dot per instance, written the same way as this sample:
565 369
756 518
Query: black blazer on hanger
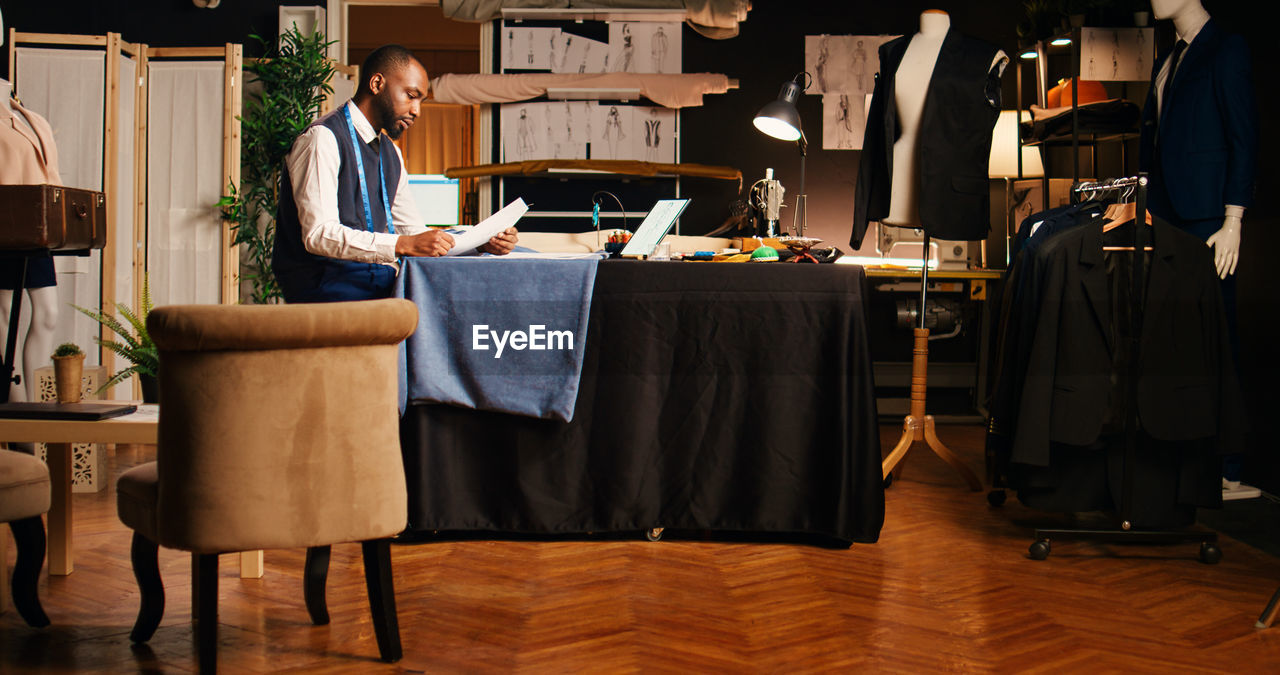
1187 389
960 111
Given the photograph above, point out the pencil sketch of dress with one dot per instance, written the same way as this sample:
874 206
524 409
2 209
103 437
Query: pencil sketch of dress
613 131
652 139
845 130
823 54
628 50
530 41
525 141
564 56
859 65
658 49
1115 54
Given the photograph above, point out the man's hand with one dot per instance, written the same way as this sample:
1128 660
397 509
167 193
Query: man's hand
502 243
430 243
1226 246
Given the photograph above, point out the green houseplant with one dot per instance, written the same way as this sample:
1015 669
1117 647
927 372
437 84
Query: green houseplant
68 370
293 81
134 345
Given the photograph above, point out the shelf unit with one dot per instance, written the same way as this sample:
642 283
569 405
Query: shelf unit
1076 140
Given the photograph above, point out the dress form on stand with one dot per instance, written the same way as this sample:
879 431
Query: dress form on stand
39 340
911 87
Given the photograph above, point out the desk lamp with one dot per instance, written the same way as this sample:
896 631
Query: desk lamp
780 119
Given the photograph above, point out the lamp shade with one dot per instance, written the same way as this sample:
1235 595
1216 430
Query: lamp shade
780 118
1005 145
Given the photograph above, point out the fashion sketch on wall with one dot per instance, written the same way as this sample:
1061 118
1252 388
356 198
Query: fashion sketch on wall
843 68
529 48
657 126
577 54
644 47
524 131
1116 54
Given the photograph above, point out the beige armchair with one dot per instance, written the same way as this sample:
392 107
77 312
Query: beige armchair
24 495
278 429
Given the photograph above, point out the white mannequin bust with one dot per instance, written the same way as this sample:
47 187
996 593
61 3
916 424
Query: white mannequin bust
37 347
911 85
1189 16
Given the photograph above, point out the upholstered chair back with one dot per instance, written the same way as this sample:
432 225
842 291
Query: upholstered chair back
279 424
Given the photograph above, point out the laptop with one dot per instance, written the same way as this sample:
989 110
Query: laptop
65 411
654 227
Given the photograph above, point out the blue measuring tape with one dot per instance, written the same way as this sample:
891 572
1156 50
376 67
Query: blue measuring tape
364 186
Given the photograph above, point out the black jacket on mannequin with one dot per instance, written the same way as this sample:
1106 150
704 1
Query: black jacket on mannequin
961 106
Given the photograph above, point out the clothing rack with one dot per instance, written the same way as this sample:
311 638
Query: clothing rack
1209 551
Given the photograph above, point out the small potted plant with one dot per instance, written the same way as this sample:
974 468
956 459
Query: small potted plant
135 345
68 368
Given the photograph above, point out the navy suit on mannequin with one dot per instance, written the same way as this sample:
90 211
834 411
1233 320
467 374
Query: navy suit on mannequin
1201 145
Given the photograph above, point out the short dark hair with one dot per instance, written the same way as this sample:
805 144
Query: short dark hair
384 59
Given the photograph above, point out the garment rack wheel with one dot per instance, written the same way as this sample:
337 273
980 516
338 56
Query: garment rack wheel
1039 550
653 533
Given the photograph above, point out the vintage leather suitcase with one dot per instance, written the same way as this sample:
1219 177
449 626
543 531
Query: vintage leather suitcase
51 217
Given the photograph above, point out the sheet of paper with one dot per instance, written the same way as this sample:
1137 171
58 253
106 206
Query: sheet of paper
478 235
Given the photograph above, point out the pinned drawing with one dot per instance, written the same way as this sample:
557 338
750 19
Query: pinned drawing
1116 54
843 63
529 48
568 125
522 124
577 54
658 129
644 47
843 122
844 70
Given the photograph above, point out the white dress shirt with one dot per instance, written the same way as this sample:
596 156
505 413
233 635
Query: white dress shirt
313 165
1164 74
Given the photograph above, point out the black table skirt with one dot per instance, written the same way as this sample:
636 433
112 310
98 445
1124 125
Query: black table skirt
722 397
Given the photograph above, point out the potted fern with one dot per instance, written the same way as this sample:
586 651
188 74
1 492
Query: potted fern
134 346
68 370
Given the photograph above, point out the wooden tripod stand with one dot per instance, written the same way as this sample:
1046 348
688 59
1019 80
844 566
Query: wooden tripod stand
917 426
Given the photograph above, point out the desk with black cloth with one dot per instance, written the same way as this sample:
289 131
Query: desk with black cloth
732 398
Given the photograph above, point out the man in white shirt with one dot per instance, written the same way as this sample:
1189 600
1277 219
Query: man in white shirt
346 214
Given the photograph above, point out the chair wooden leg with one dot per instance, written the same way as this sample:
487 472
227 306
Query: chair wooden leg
1269 613
315 572
382 597
204 601
146 569
28 533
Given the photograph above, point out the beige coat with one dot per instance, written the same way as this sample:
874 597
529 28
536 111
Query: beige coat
26 158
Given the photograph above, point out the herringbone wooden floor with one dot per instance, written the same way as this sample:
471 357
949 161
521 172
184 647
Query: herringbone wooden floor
949 587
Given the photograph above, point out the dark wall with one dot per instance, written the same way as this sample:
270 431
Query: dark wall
1259 309
158 23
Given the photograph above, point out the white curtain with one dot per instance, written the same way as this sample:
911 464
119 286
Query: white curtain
124 201
184 182
68 88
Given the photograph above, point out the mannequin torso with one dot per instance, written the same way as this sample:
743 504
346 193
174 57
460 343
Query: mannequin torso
913 78
28 156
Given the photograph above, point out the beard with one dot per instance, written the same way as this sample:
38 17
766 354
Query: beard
386 114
